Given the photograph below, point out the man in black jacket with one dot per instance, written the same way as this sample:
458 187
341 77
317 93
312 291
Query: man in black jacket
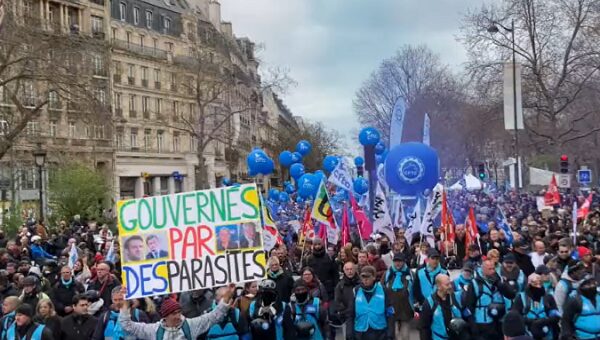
79 325
521 251
104 283
25 328
344 295
323 266
64 290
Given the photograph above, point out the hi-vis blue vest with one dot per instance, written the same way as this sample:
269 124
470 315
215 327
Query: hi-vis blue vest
113 328
35 335
278 319
6 323
460 285
310 313
438 326
427 279
587 323
225 331
485 297
371 314
535 311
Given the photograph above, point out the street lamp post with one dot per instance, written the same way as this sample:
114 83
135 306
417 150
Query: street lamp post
494 29
39 155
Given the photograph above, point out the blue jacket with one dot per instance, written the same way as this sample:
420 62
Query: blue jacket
39 252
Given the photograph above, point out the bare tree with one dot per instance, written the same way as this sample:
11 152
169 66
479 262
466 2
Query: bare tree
42 67
556 41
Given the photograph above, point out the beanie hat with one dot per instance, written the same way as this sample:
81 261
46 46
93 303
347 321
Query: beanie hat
583 251
25 309
168 307
513 325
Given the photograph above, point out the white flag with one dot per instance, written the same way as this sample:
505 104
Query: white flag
436 200
426 228
397 122
381 177
426 130
414 222
382 222
341 176
73 256
110 255
574 221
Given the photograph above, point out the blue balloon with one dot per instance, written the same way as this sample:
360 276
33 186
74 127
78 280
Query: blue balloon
296 157
284 197
321 175
290 188
308 185
330 162
368 136
259 163
286 158
359 161
273 194
303 147
299 199
296 170
379 148
226 181
411 168
361 186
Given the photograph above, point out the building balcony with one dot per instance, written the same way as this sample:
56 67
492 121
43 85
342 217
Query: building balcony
139 49
98 2
98 35
119 112
131 80
117 78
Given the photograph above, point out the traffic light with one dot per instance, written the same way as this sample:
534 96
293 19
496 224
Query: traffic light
481 171
564 164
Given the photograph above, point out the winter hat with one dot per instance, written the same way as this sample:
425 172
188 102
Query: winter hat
168 307
25 309
583 251
513 325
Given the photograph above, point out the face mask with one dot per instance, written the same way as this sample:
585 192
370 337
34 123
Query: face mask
537 293
268 297
302 297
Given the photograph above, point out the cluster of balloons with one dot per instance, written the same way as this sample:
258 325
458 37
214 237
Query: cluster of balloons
259 163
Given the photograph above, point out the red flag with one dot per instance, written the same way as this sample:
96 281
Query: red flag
552 197
447 220
471 228
585 208
307 230
345 227
364 225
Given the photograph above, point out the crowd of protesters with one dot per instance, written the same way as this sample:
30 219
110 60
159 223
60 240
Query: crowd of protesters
539 283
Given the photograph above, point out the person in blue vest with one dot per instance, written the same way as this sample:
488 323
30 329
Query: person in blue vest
581 313
441 317
270 318
372 309
25 329
547 280
538 308
173 325
399 281
511 274
425 278
484 299
307 313
569 282
9 306
461 283
108 325
233 326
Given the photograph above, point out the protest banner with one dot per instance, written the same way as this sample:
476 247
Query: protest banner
190 240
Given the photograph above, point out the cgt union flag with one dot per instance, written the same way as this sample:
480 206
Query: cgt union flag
552 197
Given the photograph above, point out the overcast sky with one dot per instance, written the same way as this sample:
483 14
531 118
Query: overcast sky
331 46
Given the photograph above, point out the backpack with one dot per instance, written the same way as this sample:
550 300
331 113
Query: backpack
185 327
527 304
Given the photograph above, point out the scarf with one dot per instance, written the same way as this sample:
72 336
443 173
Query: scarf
397 283
67 283
113 326
274 275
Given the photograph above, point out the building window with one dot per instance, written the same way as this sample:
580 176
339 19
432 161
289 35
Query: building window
29 179
26 8
157 75
101 96
169 46
53 126
176 109
98 64
122 11
176 142
145 107
167 24
52 98
160 136
158 106
136 15
134 132
120 139
132 106
147 139
142 37
193 143
88 132
128 36
144 73
131 70
72 130
99 131
97 24
149 19
117 100
155 43
32 128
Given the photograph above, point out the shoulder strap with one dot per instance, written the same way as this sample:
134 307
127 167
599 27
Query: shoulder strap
526 304
160 333
186 330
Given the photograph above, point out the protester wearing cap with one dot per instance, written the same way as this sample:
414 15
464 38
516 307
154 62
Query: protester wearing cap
78 325
548 280
398 280
25 328
521 250
425 278
269 317
31 294
310 320
538 308
581 313
461 283
373 310
513 327
511 273
591 268
569 281
174 326
37 252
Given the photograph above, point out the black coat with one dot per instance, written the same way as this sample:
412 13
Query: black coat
28 332
62 295
104 289
77 327
52 323
524 262
284 284
344 295
325 269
